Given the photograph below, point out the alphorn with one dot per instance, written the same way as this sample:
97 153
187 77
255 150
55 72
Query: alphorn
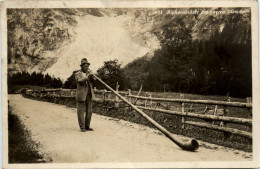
190 145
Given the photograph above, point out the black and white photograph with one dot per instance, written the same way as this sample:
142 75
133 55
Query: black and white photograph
130 85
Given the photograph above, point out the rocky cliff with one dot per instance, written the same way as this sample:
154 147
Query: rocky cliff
54 40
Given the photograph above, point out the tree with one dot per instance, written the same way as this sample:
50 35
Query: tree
47 80
137 71
111 73
70 83
170 68
56 83
223 62
35 79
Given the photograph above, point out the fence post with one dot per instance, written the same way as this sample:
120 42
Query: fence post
117 103
108 96
104 95
182 110
168 106
145 103
215 112
60 93
138 94
129 93
130 99
223 124
249 100
151 102
225 113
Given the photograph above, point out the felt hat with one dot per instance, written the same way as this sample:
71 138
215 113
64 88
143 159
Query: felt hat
84 61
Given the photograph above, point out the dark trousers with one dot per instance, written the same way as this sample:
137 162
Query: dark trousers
84 111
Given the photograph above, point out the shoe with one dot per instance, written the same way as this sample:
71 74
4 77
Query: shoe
83 130
89 129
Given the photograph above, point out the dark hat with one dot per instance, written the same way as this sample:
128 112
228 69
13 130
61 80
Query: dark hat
84 61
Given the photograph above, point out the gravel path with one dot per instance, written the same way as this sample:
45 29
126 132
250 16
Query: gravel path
56 128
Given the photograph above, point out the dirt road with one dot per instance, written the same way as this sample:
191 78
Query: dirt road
56 128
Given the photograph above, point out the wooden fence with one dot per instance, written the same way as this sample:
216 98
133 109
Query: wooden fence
217 115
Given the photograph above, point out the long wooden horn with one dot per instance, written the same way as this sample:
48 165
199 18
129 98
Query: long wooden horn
190 145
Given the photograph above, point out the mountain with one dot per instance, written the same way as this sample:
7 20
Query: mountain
54 41
34 32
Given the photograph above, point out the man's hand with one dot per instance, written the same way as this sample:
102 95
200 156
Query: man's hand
91 76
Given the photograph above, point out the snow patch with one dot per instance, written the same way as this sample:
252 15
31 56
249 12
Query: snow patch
98 39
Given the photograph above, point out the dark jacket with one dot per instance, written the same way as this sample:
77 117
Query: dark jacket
83 87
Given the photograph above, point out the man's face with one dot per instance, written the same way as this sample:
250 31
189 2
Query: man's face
84 68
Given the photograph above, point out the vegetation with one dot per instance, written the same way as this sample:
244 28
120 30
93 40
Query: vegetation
70 83
219 63
111 73
34 79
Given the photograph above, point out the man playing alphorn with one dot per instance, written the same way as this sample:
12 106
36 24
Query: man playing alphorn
84 95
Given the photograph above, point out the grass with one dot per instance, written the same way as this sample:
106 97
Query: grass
21 148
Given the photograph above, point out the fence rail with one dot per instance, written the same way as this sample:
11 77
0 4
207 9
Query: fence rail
235 120
208 102
223 129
